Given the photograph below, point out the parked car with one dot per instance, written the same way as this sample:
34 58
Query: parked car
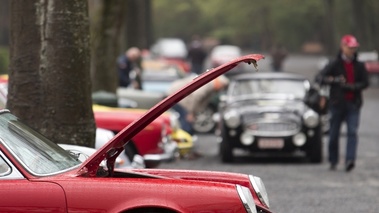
102 137
266 113
173 50
30 162
370 58
221 54
162 145
115 119
158 75
154 143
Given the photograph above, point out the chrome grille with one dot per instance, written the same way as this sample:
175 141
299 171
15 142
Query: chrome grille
273 128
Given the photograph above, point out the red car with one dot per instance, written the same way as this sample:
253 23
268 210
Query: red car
153 143
39 176
372 65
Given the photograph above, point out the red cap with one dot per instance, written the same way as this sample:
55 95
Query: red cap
349 41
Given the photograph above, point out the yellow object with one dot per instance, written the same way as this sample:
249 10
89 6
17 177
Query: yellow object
184 140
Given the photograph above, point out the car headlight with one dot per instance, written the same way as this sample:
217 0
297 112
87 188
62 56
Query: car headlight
232 118
311 118
246 139
260 189
247 199
299 139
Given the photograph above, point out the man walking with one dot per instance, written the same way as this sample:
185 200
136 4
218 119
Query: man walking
347 78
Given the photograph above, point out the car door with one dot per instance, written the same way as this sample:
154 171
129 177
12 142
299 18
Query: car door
19 194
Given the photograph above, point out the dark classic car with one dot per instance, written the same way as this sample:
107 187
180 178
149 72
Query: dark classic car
37 175
267 113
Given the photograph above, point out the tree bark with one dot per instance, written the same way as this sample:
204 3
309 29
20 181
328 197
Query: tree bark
50 87
108 25
138 24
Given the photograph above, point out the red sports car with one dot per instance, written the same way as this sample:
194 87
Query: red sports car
154 143
36 175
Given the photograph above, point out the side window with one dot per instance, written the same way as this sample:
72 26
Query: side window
4 168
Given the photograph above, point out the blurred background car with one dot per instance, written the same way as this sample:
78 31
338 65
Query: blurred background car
221 54
158 75
266 114
102 137
173 50
370 58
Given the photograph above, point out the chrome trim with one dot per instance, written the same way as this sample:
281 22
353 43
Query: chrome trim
170 153
246 199
260 190
265 129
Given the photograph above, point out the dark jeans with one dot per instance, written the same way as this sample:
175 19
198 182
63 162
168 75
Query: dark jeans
185 125
350 113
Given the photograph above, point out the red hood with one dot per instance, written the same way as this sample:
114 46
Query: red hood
115 146
198 175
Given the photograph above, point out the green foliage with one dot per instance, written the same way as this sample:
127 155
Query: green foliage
257 23
4 60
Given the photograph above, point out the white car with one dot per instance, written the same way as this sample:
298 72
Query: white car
170 48
224 53
102 137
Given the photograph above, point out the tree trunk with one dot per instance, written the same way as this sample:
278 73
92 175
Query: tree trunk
108 25
50 85
138 24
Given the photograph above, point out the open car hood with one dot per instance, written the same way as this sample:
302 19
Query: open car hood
115 146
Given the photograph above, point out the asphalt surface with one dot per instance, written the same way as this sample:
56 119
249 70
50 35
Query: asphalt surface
293 184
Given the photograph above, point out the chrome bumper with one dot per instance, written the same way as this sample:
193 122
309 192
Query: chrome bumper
170 153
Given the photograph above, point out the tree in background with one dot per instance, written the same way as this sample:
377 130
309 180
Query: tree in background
115 26
108 32
49 78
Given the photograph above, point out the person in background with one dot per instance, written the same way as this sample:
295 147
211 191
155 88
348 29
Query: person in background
347 78
196 55
126 64
278 54
196 101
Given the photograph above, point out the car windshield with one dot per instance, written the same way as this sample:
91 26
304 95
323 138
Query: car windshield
265 87
36 153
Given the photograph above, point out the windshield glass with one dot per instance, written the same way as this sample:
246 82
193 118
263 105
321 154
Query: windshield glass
264 87
36 153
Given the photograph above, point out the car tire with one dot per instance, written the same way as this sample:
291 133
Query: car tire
315 151
226 149
204 122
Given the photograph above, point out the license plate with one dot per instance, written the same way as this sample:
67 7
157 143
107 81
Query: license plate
270 143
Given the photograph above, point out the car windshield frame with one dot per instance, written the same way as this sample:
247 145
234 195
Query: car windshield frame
268 87
37 154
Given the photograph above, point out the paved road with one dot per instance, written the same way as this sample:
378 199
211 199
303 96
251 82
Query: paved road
296 186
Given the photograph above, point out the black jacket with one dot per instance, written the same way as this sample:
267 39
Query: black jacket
338 89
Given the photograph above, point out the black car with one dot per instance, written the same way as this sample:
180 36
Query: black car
270 113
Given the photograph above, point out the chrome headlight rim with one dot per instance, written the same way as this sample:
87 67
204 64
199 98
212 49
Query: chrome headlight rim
311 118
260 189
232 118
246 198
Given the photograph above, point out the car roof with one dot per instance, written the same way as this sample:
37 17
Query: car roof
270 75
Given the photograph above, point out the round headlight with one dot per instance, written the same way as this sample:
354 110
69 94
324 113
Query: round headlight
246 139
311 118
232 118
299 139
260 189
